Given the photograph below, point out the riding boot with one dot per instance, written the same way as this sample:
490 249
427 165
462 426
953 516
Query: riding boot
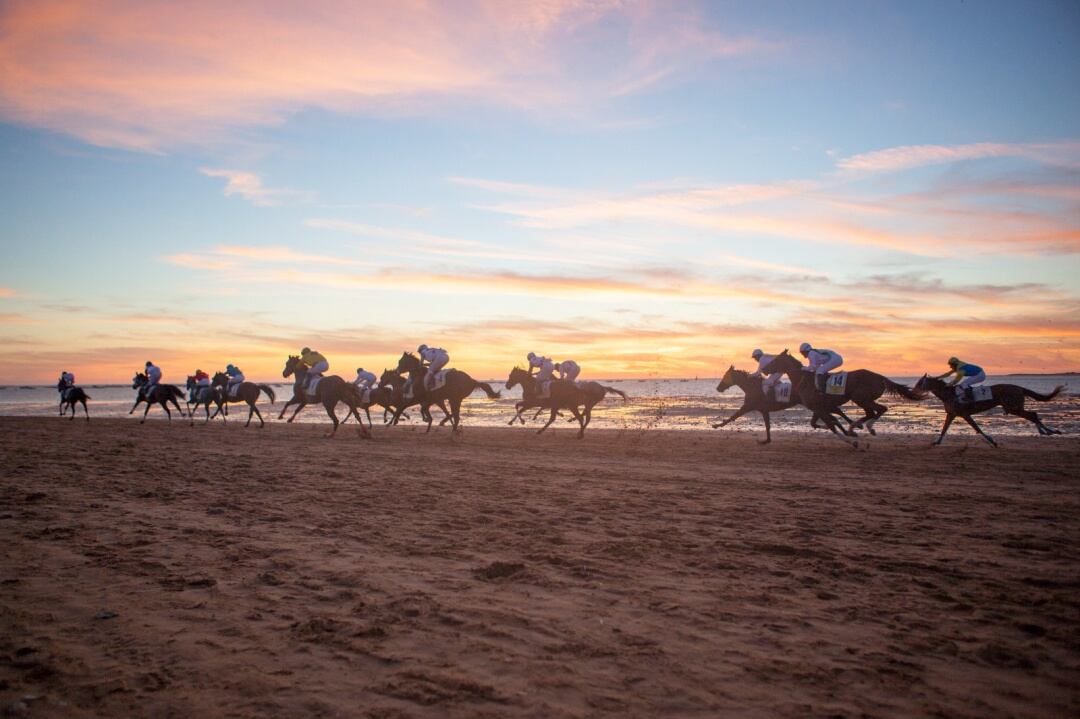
969 395
819 382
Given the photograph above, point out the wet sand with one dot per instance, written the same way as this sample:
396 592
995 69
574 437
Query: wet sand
169 571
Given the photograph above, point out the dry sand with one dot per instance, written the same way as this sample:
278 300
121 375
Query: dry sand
267 573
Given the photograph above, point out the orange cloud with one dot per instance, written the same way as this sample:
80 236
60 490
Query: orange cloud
895 159
147 76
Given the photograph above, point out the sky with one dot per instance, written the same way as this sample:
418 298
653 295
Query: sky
652 189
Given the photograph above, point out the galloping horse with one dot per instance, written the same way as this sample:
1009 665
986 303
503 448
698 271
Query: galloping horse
1009 396
458 386
754 400
395 382
204 396
329 392
161 394
863 388
246 392
589 395
69 396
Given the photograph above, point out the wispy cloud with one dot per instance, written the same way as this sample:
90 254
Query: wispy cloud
895 159
7 292
123 73
250 186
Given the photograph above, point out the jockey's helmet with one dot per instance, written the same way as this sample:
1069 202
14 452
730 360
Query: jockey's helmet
305 350
756 354
422 348
149 363
953 362
531 356
805 348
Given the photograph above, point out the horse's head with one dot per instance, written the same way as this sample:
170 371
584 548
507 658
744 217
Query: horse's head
782 362
190 381
927 383
293 364
138 380
220 379
517 376
389 377
408 362
727 381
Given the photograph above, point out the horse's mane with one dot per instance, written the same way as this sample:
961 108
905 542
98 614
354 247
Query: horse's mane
410 355
740 372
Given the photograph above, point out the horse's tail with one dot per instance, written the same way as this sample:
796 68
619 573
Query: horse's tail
901 390
269 392
1043 397
175 391
492 394
616 391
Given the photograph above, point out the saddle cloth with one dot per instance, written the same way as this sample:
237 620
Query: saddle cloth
233 391
438 381
313 385
836 383
543 389
782 391
980 393
365 396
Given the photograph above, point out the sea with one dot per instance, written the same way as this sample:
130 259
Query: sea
670 404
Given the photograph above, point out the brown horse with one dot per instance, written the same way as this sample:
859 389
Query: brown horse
395 382
458 386
69 396
863 388
1009 396
754 400
329 392
592 393
245 392
160 394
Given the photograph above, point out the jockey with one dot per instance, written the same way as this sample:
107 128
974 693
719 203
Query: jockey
67 380
568 370
365 379
768 382
536 362
547 368
436 358
236 377
202 380
966 376
153 376
820 362
316 363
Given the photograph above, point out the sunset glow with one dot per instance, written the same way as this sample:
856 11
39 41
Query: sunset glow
650 189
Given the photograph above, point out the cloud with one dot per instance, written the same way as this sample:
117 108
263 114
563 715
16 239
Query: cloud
151 76
7 292
249 186
895 159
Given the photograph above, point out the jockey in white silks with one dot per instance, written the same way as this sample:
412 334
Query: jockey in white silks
768 381
153 376
568 370
435 358
365 379
820 362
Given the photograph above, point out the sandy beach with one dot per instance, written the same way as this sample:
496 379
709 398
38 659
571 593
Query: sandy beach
170 571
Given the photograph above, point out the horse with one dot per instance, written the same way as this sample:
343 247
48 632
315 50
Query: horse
245 392
591 394
458 386
69 396
1009 396
204 395
161 394
330 391
863 388
395 382
754 400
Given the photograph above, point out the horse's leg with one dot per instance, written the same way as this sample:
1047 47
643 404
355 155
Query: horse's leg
60 409
520 407
135 405
145 411
367 413
299 406
554 413
84 409
739 413
455 413
536 415
1030 416
333 417
292 400
977 428
425 409
251 412
583 421
949 417
768 428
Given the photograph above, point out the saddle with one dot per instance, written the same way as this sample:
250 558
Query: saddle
312 386
233 391
438 381
365 396
836 384
543 389
979 393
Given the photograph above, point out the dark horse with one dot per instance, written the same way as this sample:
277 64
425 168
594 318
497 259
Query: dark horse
328 393
161 394
245 392
754 400
458 386
205 396
1009 396
395 382
69 396
563 395
863 388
